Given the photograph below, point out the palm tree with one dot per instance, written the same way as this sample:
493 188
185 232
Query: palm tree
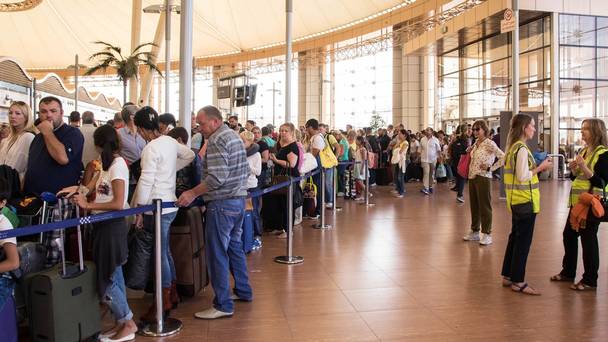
126 67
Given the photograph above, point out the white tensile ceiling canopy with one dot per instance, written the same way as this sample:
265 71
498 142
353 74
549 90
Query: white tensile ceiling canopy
51 33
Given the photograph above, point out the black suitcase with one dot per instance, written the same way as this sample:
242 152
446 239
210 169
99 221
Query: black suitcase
187 244
62 301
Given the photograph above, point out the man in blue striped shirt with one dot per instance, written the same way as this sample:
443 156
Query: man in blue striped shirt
223 187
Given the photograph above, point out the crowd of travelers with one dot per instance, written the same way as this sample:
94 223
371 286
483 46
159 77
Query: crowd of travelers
140 156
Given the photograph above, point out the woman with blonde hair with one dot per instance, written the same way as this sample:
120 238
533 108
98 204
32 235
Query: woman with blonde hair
286 162
523 201
14 150
485 158
590 174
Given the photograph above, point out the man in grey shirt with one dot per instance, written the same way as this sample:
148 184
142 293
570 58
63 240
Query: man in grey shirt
131 144
223 187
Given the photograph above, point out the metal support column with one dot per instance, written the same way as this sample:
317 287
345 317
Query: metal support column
288 53
185 65
366 166
167 53
76 70
289 258
162 327
515 59
335 206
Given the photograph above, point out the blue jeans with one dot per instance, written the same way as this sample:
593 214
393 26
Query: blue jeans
341 173
7 285
399 176
167 265
224 252
116 297
257 210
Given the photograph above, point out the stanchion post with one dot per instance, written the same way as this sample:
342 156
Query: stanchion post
289 259
162 327
322 225
335 206
366 166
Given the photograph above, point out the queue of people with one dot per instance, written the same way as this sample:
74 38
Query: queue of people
148 158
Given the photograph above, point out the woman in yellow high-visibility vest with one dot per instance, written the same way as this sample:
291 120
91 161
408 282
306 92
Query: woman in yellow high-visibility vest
590 168
523 200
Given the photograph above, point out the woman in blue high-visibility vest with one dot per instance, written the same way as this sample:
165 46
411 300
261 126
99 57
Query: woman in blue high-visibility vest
589 174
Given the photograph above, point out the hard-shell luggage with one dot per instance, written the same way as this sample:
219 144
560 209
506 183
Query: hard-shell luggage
247 234
188 250
62 301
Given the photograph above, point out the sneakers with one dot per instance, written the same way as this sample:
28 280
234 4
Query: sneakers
340 194
398 196
471 236
486 239
425 191
394 192
329 205
316 217
431 190
212 313
234 297
460 199
283 235
125 338
257 244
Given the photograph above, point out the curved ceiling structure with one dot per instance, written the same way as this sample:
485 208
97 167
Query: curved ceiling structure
48 35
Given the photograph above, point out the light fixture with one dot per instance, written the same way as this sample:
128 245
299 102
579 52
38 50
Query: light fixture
18 6
161 8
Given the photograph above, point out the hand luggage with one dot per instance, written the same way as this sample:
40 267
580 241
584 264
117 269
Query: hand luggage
137 268
247 235
62 301
187 244
8 321
382 176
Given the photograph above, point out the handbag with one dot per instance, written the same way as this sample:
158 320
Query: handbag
463 165
522 209
328 158
281 178
441 172
604 201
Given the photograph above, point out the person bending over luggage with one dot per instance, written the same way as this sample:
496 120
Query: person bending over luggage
110 250
9 261
190 176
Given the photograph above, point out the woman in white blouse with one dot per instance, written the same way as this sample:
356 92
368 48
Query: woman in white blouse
485 158
14 150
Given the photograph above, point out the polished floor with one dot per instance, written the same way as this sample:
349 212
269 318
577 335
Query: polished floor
400 271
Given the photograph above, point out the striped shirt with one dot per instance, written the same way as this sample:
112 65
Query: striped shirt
225 167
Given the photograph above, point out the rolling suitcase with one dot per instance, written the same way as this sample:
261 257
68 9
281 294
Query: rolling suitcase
188 250
62 301
247 234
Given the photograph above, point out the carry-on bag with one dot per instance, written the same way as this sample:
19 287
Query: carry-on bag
62 301
187 244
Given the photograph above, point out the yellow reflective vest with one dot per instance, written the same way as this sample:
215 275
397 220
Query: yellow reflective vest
520 192
580 183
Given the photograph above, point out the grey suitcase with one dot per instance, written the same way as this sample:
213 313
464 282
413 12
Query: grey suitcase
62 301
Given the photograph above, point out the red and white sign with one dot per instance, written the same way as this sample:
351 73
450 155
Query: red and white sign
508 23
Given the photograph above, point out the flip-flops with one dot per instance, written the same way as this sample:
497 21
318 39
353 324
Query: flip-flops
580 286
560 277
525 289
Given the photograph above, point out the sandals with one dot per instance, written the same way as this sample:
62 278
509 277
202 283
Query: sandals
580 286
525 289
560 277
506 282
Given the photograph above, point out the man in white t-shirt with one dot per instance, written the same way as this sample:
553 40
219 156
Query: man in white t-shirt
430 153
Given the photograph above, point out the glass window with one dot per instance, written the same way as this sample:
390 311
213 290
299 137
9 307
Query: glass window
497 47
449 63
577 62
472 55
531 66
532 97
602 100
497 74
474 105
531 36
602 31
602 63
577 99
448 85
577 30
473 79
498 99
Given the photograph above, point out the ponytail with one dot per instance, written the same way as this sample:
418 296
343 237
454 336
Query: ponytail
106 138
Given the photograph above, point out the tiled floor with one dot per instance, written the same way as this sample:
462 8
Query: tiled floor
400 271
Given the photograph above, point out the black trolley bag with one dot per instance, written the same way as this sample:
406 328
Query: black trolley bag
62 301
187 243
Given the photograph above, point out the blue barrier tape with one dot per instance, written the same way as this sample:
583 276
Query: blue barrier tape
37 229
349 162
281 185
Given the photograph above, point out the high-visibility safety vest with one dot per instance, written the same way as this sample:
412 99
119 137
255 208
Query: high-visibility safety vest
520 192
580 183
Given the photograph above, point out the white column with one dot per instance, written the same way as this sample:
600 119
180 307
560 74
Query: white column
148 79
76 71
288 55
185 65
515 60
135 41
168 4
555 88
